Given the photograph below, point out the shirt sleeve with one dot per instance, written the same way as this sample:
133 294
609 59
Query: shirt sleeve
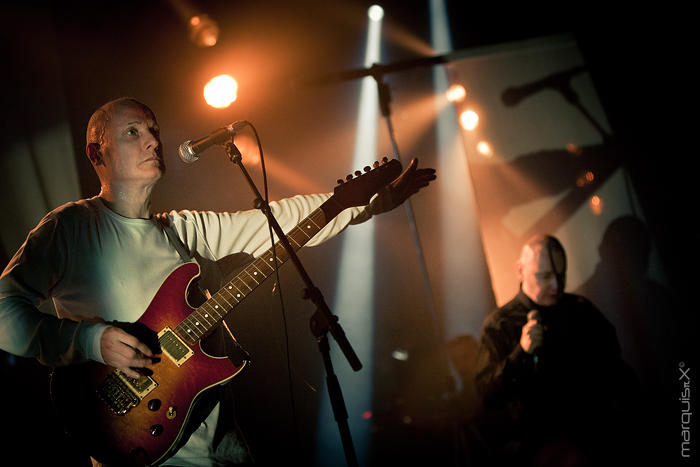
503 367
221 234
27 281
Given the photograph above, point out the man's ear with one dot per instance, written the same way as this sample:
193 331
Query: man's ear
519 270
93 153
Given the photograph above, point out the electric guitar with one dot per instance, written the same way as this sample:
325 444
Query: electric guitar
139 421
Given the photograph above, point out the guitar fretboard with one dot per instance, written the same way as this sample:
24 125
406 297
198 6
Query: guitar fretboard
210 313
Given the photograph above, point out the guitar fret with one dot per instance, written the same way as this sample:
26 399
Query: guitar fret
239 294
228 304
189 329
202 317
228 290
252 276
262 274
263 261
291 238
302 231
318 228
220 312
240 279
205 315
218 305
197 327
210 314
297 238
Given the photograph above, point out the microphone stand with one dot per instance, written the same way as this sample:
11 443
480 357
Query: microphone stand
377 71
321 322
384 93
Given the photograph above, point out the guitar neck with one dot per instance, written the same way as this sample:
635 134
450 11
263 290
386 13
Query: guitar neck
203 319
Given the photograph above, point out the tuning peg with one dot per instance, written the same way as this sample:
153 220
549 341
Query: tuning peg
385 160
340 181
348 177
367 168
375 164
358 173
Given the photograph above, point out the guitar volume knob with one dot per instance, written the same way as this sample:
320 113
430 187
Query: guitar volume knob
156 430
154 404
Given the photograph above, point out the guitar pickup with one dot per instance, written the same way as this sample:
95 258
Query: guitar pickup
174 347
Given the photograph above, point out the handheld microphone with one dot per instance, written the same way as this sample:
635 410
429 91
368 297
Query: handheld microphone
189 151
537 316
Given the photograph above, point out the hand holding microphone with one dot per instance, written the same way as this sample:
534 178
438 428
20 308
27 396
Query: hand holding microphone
532 334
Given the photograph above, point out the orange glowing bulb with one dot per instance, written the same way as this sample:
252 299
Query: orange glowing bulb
484 149
469 120
456 93
221 91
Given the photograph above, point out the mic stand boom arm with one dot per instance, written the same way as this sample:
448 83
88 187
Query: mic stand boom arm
321 322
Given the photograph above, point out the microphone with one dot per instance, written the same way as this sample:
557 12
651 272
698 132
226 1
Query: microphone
537 316
512 96
189 151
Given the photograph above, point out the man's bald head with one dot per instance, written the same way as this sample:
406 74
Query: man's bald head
100 119
541 269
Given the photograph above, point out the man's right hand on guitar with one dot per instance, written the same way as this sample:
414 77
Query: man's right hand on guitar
125 352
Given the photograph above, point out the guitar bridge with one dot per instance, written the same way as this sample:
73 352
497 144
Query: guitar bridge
121 393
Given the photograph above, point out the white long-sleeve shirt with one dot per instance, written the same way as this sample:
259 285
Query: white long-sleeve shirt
98 266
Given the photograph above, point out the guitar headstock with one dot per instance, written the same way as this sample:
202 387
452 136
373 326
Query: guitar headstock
358 189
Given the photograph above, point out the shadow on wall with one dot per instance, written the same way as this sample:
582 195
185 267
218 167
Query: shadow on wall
654 332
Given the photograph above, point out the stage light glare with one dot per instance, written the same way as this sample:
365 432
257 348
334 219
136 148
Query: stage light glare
596 205
456 93
585 178
469 120
204 32
221 91
484 148
574 149
375 13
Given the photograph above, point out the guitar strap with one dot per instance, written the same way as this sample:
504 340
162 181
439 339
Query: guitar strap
175 241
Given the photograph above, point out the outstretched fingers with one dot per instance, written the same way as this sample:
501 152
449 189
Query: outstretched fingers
413 179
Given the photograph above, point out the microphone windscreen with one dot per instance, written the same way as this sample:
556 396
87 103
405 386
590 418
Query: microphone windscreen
186 154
